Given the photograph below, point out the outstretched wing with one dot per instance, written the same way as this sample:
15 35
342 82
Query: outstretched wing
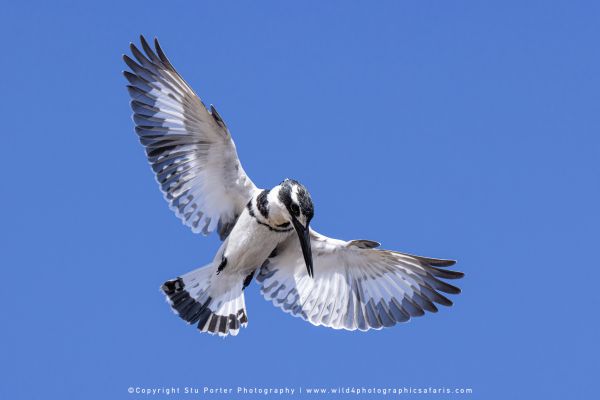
355 285
189 147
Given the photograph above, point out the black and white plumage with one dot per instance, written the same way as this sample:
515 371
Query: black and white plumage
356 286
189 147
266 235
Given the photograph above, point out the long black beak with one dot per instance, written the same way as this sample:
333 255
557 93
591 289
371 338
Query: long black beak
304 236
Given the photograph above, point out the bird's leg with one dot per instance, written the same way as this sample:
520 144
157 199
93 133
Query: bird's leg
222 265
248 279
273 253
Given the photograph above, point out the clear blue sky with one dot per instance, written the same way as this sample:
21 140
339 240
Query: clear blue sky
450 129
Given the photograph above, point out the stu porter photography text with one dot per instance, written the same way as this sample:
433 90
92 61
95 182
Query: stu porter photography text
290 391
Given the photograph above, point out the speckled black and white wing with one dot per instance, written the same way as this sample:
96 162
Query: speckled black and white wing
355 285
189 147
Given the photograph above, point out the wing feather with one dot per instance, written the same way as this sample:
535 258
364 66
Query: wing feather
356 285
188 146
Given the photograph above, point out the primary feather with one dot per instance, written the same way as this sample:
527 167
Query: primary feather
355 286
189 147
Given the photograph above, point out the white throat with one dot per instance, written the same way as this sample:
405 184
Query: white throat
278 214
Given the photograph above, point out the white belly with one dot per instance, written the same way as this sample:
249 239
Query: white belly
249 244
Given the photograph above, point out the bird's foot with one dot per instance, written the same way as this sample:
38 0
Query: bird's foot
222 265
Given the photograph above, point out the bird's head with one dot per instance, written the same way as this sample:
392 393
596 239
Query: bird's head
296 207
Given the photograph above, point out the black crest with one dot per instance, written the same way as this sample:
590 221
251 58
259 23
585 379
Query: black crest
305 204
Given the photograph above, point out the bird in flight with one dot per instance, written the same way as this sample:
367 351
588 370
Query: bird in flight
265 233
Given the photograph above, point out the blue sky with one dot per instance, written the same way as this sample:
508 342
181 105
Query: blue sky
464 130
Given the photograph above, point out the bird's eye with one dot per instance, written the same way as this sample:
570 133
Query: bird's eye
295 210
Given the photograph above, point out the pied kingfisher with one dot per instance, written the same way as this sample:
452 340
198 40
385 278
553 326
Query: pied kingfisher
339 284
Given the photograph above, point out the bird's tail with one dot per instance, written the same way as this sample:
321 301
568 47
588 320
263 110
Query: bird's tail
214 302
